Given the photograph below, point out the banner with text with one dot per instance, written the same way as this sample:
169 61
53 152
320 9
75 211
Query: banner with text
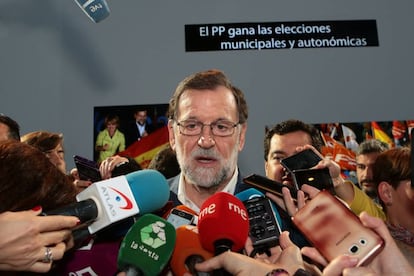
281 35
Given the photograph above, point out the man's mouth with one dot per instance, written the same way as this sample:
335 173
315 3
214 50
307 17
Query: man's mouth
205 159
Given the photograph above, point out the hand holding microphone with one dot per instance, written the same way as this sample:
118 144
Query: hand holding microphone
265 222
109 201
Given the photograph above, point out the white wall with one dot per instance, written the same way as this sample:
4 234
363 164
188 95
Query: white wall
56 64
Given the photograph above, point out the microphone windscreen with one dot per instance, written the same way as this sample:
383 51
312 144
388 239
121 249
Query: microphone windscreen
149 188
252 192
223 218
96 10
147 247
187 248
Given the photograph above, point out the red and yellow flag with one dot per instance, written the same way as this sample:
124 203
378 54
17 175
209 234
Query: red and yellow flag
144 150
379 134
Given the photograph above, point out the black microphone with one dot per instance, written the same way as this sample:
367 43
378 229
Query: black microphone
96 10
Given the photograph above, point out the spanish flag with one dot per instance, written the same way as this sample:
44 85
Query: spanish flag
144 150
379 134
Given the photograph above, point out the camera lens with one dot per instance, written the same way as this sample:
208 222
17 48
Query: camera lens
354 249
363 242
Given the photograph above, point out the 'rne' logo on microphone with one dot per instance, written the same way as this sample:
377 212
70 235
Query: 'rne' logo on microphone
211 209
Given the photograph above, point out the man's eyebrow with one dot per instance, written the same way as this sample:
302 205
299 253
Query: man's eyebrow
278 152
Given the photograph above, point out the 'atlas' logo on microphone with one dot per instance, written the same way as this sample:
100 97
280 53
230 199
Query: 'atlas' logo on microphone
119 199
128 202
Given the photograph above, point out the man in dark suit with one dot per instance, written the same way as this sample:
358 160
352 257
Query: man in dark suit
207 127
138 128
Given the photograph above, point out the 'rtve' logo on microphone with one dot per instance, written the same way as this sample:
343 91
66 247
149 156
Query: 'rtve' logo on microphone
211 209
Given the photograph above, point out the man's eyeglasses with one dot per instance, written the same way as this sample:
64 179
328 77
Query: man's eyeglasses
220 128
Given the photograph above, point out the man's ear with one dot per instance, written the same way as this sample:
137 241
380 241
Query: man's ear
385 192
171 134
266 166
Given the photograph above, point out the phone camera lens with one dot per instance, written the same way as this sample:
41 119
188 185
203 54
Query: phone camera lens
363 242
354 249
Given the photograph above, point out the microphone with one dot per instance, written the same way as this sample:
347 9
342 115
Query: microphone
96 10
188 251
252 193
147 247
106 202
264 220
223 223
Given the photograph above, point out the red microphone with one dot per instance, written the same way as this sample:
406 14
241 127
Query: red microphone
223 223
187 251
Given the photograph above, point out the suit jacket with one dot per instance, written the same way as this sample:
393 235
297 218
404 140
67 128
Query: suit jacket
287 225
132 134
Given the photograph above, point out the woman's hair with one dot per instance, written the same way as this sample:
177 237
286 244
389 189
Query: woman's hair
28 179
112 118
43 140
392 166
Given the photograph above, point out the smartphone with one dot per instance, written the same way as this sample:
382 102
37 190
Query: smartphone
269 185
335 230
264 228
87 169
179 217
304 159
318 178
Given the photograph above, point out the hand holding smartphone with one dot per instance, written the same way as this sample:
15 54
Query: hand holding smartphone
87 169
264 227
266 184
335 230
318 178
304 159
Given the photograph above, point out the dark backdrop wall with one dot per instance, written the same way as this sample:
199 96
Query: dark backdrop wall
56 65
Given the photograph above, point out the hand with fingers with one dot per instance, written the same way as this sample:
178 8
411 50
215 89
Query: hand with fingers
390 261
109 164
29 242
285 259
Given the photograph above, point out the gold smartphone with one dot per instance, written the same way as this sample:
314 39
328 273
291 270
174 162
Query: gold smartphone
335 230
